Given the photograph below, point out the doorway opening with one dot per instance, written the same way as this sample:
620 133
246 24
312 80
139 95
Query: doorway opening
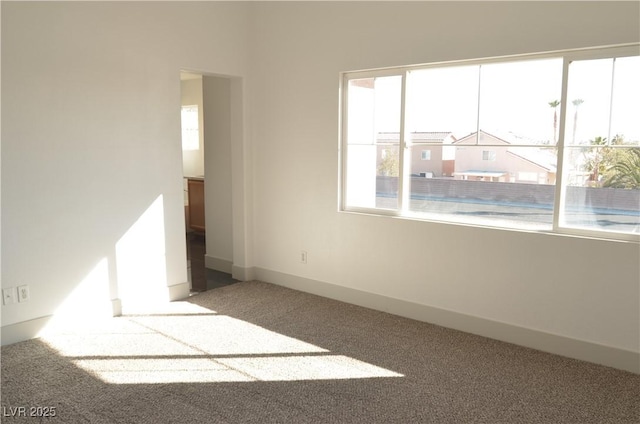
206 159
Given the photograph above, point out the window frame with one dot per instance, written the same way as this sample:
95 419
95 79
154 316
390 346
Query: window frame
187 132
557 227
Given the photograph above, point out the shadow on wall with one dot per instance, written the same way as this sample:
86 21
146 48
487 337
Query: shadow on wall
131 276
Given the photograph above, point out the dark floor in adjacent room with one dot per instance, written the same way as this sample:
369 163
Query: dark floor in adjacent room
202 278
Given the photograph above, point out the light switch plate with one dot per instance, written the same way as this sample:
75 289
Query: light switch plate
8 296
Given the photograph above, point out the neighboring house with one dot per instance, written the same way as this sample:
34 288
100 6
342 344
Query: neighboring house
432 155
502 160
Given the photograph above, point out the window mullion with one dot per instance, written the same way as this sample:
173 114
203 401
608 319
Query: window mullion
613 74
343 150
404 151
478 107
560 191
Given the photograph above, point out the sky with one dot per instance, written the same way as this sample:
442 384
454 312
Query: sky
514 97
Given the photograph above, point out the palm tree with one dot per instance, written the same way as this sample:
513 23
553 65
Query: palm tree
602 162
595 162
554 104
390 164
626 172
576 103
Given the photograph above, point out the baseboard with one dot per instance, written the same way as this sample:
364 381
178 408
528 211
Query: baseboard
178 291
25 330
546 342
218 264
116 307
243 274
30 329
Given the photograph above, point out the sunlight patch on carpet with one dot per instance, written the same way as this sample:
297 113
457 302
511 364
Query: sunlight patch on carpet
294 368
207 370
223 335
196 345
160 371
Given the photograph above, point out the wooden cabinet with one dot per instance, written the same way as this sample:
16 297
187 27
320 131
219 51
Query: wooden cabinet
196 204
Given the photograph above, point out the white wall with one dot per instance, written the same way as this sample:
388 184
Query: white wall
91 153
583 290
218 171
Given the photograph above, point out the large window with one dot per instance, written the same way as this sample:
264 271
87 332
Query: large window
545 142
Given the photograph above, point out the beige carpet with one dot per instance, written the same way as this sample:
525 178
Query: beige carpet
256 352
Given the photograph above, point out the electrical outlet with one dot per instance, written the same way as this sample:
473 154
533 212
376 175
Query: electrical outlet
9 296
303 256
23 294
